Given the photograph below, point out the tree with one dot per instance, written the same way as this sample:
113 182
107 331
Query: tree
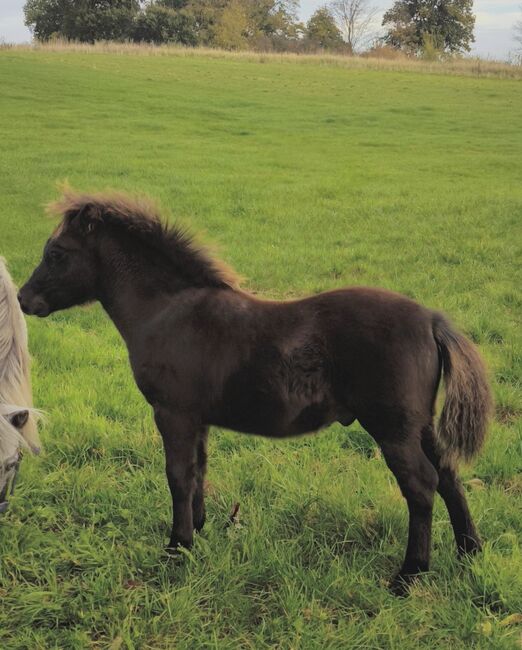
233 28
446 25
46 18
518 36
275 17
232 24
158 23
205 14
354 18
81 20
236 23
322 30
172 4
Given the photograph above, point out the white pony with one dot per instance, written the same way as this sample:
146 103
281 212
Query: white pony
18 420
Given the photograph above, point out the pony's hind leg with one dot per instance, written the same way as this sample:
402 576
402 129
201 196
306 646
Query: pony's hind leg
418 480
451 490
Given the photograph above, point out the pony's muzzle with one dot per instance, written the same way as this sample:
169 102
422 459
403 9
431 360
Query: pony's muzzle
10 472
32 304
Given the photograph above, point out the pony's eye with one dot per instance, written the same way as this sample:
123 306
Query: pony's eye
55 256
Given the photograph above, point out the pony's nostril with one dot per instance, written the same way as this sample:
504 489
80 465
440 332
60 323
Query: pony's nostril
24 306
22 300
32 304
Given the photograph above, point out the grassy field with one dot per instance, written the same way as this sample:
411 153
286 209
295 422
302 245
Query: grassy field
308 178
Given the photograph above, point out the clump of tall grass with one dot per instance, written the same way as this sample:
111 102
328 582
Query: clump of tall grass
377 59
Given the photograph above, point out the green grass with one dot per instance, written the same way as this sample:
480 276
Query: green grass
308 178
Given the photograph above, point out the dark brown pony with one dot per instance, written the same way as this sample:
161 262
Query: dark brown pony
204 353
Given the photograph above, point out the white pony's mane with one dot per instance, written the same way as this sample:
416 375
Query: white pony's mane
15 382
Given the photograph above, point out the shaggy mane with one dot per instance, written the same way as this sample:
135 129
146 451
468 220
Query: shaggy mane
141 218
15 380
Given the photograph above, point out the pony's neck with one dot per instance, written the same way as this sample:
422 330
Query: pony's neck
135 284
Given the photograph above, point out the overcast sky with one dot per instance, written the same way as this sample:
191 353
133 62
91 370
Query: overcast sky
493 30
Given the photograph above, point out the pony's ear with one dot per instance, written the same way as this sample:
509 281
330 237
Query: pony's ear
85 218
19 418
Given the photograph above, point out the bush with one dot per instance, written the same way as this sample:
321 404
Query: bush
158 24
380 51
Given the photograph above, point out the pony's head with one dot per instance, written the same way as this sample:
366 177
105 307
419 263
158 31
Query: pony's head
67 274
18 424
12 421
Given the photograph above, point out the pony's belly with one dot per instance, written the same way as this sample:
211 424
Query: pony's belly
278 397
272 420
316 416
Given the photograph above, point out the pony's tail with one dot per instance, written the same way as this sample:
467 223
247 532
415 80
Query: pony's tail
467 407
15 377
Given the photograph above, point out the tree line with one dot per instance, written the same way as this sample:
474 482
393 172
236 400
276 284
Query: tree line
412 26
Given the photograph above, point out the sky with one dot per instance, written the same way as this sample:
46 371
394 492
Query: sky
493 29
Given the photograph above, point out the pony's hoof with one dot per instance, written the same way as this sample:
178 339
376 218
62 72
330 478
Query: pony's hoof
469 546
174 555
400 585
199 522
176 547
172 550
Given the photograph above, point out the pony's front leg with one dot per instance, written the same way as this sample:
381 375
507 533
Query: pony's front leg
180 440
198 501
